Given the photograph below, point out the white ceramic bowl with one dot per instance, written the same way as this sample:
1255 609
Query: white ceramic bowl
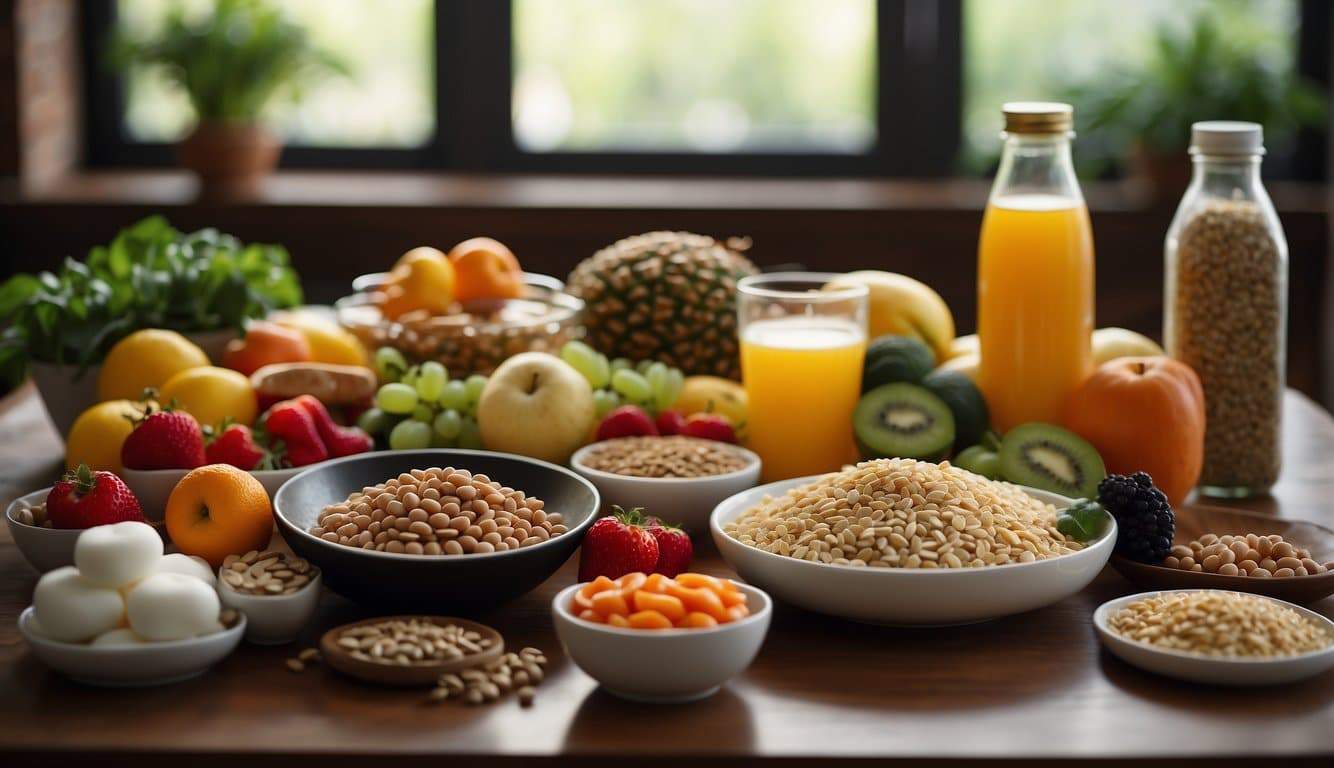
662 665
1197 668
683 501
908 596
136 665
154 486
273 619
45 549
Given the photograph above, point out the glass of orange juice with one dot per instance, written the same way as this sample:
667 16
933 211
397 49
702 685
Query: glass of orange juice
801 363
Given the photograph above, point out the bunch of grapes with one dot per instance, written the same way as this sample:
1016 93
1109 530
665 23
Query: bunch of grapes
419 406
653 386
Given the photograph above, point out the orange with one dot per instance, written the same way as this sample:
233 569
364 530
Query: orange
219 510
422 279
266 343
143 360
486 269
212 395
329 343
97 435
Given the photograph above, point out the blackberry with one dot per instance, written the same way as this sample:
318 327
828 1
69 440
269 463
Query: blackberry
1145 520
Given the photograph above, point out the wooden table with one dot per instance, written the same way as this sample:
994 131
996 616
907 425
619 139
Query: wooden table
1034 686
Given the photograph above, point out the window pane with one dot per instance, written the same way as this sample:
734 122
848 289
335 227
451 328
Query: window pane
1037 49
389 100
694 75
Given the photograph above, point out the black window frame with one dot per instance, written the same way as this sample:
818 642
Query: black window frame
919 94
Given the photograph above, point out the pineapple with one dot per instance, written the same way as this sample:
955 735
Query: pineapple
668 296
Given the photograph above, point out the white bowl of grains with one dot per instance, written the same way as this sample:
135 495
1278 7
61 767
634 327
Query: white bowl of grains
978 549
277 593
678 479
1193 635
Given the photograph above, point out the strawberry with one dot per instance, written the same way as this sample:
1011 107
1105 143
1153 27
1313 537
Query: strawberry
626 421
710 426
84 498
236 445
301 442
670 422
341 441
674 548
164 439
616 545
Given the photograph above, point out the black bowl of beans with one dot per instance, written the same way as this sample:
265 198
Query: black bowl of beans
435 529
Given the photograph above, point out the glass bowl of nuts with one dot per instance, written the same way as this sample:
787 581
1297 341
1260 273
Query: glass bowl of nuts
677 478
45 548
277 593
478 335
435 529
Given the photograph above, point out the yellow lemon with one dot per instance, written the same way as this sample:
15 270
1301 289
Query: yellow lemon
711 394
211 395
97 435
145 359
329 343
423 278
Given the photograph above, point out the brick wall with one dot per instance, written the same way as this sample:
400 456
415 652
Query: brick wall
45 39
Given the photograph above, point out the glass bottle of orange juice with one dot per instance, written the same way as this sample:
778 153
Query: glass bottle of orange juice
1034 272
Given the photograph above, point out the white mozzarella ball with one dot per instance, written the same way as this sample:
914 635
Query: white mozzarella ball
172 606
72 609
117 554
188 565
119 637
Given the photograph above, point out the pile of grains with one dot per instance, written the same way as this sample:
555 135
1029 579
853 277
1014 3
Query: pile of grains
1227 323
267 573
903 513
673 456
1245 555
411 641
34 515
438 512
1219 623
519 672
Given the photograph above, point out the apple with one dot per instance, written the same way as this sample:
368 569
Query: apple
902 306
536 405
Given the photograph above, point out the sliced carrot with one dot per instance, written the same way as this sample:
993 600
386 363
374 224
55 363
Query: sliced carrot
610 602
697 580
649 620
617 620
731 598
631 581
702 600
667 605
737 612
656 582
596 585
697 620
729 585
590 615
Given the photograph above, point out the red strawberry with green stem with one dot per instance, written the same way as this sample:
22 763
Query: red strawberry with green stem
341 441
626 421
164 439
616 545
84 498
674 548
301 443
236 445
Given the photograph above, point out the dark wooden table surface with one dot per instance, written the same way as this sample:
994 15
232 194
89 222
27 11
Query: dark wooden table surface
1034 686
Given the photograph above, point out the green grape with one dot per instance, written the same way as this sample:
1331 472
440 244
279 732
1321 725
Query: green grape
410 376
448 424
373 421
396 398
469 435
604 400
455 395
475 383
440 442
656 374
642 366
588 362
389 363
621 363
665 395
431 381
423 413
630 384
410 435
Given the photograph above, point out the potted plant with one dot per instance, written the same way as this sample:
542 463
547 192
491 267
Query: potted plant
1143 113
58 326
230 63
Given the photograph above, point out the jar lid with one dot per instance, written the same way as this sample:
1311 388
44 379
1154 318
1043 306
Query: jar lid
1227 137
1038 117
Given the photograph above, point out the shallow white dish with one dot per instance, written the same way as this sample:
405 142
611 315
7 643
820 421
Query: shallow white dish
1204 669
154 486
662 665
273 619
45 549
683 501
136 665
908 596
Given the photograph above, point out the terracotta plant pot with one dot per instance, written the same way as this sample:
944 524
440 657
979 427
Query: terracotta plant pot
229 158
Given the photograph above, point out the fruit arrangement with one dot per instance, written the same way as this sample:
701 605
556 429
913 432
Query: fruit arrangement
655 601
420 406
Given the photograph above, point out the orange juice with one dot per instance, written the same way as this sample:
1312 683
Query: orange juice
1034 305
802 376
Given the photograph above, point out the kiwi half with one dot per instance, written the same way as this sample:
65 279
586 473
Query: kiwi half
1053 459
902 420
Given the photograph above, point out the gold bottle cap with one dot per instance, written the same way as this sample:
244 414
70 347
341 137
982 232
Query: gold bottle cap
1038 117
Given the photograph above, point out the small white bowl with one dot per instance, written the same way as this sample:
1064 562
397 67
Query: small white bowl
1198 668
663 665
45 549
273 619
135 665
683 501
154 486
909 596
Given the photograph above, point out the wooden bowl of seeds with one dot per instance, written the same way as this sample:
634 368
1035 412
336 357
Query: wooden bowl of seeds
410 650
679 479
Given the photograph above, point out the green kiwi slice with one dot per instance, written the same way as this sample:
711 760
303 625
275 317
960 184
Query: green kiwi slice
903 420
1053 459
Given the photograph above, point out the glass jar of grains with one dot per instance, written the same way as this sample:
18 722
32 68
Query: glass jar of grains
1226 306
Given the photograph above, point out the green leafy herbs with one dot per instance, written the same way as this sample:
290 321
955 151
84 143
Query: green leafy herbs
1084 520
229 62
150 276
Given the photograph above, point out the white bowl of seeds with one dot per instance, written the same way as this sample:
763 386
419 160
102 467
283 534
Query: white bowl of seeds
278 594
678 479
